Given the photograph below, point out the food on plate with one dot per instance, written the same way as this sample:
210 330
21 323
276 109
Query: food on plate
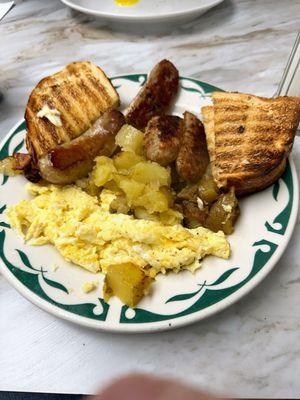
99 138
207 188
142 187
148 193
162 139
126 281
73 160
83 230
130 139
203 204
193 158
15 164
195 213
155 97
223 213
88 287
78 94
249 139
125 3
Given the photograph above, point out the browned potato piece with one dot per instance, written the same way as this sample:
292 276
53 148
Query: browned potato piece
223 213
15 164
193 157
193 215
208 190
190 193
126 281
7 167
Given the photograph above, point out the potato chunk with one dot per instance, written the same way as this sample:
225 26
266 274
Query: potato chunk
142 213
150 172
142 187
126 281
153 201
7 166
193 215
126 159
119 206
170 217
208 190
103 171
223 213
132 189
130 139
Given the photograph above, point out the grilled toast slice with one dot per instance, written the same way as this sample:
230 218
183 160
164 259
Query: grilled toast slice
76 96
249 138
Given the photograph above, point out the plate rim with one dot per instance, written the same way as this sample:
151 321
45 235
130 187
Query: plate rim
174 323
142 18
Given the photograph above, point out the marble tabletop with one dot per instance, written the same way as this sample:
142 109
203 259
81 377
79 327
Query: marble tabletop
251 349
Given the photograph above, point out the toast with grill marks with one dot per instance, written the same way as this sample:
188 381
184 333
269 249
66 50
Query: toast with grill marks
78 95
249 138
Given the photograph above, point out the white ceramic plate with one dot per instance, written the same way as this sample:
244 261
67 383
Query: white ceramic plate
144 10
261 235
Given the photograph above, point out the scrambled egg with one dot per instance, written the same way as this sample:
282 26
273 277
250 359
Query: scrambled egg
83 230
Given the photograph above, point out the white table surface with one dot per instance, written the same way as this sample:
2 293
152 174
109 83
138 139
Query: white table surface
250 350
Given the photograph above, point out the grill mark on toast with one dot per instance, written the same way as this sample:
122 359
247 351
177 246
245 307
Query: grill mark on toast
230 108
104 91
233 118
78 116
91 95
227 130
225 142
47 136
72 120
99 90
64 92
253 137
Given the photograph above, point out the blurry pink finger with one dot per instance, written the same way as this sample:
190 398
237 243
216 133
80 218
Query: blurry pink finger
143 387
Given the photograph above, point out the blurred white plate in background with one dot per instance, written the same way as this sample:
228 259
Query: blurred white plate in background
5 8
144 10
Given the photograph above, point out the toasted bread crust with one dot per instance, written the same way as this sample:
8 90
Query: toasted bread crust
249 138
81 92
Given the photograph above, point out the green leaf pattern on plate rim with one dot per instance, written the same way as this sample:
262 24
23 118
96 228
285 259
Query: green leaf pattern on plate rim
204 296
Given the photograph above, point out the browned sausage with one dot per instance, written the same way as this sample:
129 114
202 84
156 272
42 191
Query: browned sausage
162 139
193 156
73 160
100 138
155 96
